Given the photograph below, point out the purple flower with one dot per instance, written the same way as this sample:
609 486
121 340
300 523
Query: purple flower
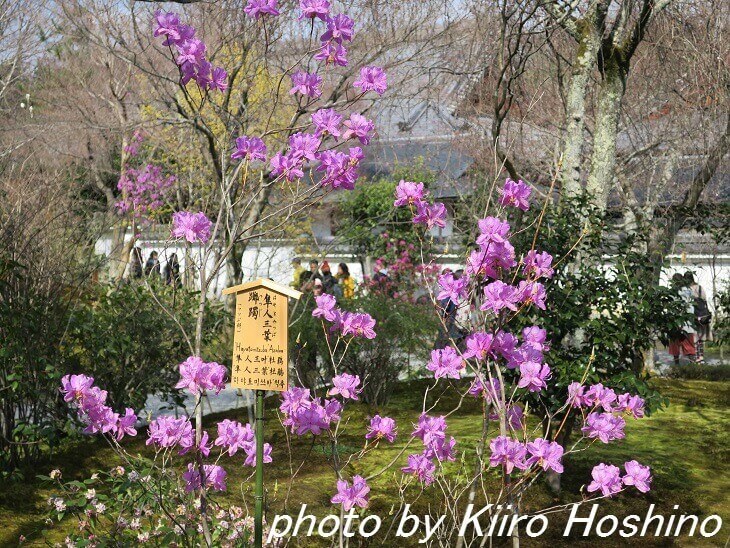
372 79
314 8
451 288
446 363
332 53
218 79
252 148
327 121
190 52
349 497
515 194
294 399
360 127
492 230
576 398
420 466
546 454
604 426
532 292
326 305
515 414
304 145
168 431
358 325
345 385
599 395
289 167
339 29
606 478
197 375
637 475
507 452
505 344
215 477
332 410
632 405
381 427
126 423
535 336
538 265
194 227
430 429
499 295
310 419
533 376
430 215
409 193
491 394
442 450
340 168
251 454
478 345
258 8
75 387
233 436
306 84
168 24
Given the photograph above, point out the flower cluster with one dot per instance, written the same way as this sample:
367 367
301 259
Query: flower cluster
304 414
414 195
197 375
190 53
381 428
356 324
143 190
432 432
599 396
194 227
89 401
352 495
608 480
232 436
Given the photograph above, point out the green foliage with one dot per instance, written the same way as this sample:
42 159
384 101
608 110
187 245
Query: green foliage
405 332
133 342
701 372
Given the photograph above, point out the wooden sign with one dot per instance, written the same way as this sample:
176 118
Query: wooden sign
260 335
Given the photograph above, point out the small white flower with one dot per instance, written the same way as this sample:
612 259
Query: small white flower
55 473
59 504
143 537
90 494
134 524
100 507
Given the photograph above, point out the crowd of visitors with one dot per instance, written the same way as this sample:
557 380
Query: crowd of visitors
151 269
319 279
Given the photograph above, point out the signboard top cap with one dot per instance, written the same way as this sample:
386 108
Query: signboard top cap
268 284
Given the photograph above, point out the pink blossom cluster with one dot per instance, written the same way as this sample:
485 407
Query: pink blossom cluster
382 428
599 396
233 435
198 376
190 51
304 414
89 401
193 227
414 195
143 190
353 495
608 480
511 453
437 448
132 148
355 324
515 195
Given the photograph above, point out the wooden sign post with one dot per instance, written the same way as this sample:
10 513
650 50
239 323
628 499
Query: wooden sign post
260 359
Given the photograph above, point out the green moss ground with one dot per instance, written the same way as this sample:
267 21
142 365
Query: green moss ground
686 445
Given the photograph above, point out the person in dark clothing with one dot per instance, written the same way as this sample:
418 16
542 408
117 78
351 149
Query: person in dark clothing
329 282
135 267
308 278
152 266
172 271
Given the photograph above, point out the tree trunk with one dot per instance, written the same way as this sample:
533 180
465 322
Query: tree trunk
603 158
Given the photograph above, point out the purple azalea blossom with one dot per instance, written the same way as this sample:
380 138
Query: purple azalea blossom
194 227
507 452
601 396
168 431
604 426
446 363
233 436
197 375
326 305
576 396
515 194
631 405
372 79
420 465
358 325
430 215
304 145
168 25
306 84
478 345
492 230
409 193
345 385
546 454
533 376
251 454
332 53
381 427
259 8
327 121
314 8
340 28
251 148
191 53
288 166
442 450
499 295
532 293
126 423
351 496
74 387
451 288
215 477
538 265
637 475
360 127
430 429
606 479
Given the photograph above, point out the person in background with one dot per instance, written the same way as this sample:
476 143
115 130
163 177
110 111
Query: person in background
309 277
683 340
172 271
296 282
345 281
317 287
152 266
135 268
703 316
329 282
